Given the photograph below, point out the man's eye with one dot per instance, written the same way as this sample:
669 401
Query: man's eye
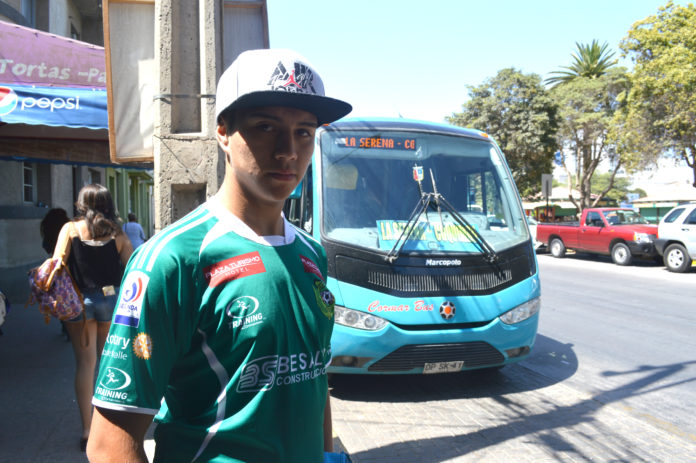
265 127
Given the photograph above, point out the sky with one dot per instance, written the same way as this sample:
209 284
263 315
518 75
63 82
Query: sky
415 58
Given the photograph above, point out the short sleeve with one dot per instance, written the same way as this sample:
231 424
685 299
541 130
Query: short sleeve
146 337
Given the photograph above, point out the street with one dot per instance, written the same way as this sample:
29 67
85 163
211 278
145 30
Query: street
611 378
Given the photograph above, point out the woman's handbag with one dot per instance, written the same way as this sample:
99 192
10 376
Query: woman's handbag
54 290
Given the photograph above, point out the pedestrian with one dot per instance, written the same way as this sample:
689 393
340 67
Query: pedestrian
96 252
134 231
225 314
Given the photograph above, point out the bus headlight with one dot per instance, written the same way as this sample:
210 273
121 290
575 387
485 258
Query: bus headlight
521 312
359 320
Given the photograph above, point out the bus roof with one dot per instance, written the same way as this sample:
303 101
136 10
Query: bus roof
380 123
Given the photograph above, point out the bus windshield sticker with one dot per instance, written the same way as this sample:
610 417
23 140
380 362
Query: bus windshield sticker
451 235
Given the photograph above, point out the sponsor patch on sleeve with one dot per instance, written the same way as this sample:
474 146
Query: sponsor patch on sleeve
311 267
231 269
131 301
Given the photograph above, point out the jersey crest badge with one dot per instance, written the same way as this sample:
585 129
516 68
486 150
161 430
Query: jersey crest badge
325 299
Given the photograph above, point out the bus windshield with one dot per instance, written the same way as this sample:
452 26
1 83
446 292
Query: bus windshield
373 181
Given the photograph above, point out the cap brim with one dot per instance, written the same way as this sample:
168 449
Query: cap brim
326 109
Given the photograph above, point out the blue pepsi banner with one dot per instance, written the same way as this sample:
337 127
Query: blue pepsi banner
53 106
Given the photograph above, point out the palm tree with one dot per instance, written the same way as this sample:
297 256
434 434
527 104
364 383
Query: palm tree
589 61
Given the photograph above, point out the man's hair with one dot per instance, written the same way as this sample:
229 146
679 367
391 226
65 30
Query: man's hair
226 118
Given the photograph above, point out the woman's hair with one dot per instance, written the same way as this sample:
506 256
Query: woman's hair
95 205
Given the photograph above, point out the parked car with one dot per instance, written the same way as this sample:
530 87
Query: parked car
621 233
532 222
677 242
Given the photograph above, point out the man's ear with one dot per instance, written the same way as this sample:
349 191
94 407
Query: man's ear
221 135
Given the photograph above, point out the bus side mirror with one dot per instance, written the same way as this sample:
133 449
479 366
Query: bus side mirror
297 192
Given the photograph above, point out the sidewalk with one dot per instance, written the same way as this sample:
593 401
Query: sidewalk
39 419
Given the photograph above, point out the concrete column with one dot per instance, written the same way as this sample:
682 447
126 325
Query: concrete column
186 157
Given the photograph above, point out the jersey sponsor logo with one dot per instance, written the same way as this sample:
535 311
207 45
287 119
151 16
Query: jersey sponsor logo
112 383
243 312
325 299
142 346
115 354
237 267
310 266
119 341
131 302
263 373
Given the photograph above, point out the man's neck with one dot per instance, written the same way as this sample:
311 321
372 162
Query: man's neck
264 220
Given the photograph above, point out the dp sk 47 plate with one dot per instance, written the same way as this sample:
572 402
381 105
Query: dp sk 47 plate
442 367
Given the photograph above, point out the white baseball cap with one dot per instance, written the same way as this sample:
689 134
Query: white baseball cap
276 77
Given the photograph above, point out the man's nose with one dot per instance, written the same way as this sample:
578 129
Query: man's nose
286 145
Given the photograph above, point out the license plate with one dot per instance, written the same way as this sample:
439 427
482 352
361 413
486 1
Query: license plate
442 367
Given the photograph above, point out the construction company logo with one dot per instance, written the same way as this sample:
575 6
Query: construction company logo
237 267
116 347
113 382
8 100
325 299
300 79
310 266
263 373
131 302
142 346
244 312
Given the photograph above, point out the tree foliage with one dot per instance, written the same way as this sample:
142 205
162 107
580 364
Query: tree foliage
660 109
618 191
587 108
517 111
590 61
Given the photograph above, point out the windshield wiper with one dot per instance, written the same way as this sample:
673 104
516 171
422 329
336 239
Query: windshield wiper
435 198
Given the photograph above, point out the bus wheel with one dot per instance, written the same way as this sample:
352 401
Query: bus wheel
676 258
557 247
621 255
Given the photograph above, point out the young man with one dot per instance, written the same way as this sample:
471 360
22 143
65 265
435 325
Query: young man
224 314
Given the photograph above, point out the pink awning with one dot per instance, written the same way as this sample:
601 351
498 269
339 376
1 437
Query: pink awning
32 57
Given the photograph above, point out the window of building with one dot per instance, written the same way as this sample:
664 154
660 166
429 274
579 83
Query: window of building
29 182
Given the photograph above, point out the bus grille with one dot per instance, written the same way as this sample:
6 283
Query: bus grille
481 279
473 354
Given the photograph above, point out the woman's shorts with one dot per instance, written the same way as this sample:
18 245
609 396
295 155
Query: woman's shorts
98 306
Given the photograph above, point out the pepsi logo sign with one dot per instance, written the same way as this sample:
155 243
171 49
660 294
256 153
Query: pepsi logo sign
8 100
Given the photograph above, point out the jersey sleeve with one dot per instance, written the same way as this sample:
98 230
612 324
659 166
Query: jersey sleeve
148 333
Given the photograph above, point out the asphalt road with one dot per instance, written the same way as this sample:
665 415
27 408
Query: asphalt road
622 334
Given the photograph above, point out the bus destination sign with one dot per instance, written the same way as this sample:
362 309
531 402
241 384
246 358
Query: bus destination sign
377 142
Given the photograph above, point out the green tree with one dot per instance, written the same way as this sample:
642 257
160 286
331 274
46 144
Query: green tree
587 108
518 112
659 116
589 61
619 190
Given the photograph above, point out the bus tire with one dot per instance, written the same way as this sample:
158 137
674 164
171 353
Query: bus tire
557 248
621 255
676 258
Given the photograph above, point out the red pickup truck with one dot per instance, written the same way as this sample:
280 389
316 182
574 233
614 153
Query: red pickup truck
618 232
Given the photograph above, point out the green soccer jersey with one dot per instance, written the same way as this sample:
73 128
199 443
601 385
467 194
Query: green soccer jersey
233 331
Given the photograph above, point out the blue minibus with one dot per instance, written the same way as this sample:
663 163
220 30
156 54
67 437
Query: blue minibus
430 258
